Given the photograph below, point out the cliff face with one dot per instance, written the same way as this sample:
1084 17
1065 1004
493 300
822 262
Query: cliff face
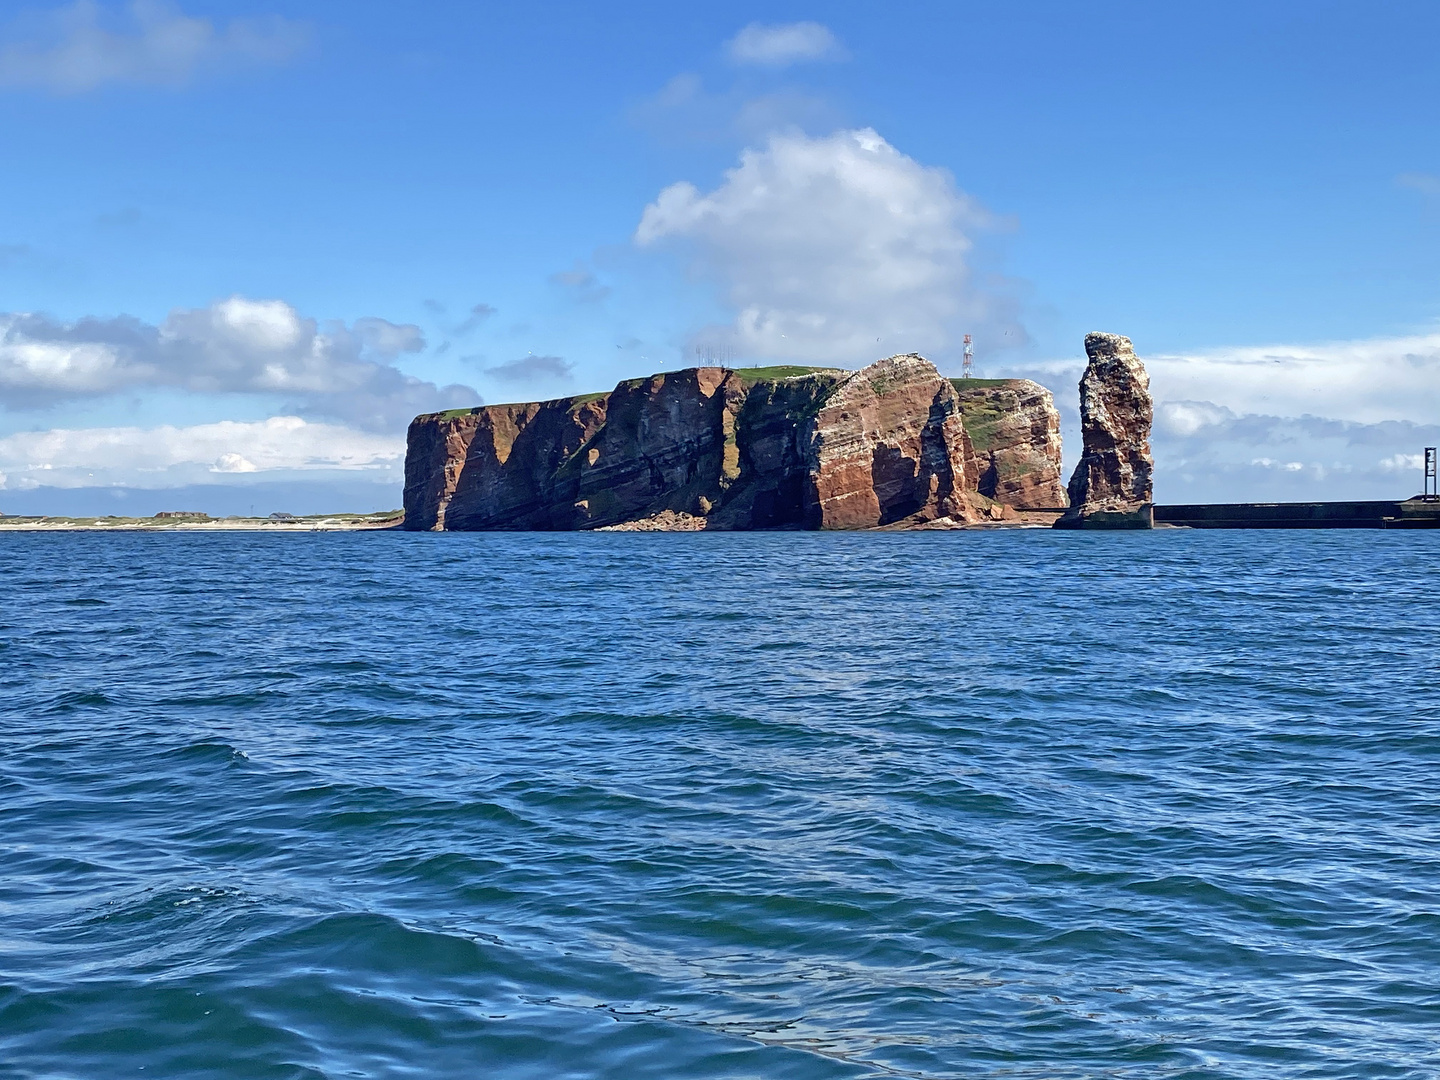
1015 428
709 448
499 466
1111 486
663 446
888 445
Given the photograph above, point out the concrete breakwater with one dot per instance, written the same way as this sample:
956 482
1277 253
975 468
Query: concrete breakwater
1365 514
1356 514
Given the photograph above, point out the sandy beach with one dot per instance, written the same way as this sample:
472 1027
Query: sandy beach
390 519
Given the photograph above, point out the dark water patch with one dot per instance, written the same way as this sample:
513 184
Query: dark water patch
76 700
236 700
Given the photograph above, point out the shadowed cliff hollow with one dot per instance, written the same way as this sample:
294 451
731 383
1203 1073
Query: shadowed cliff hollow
893 445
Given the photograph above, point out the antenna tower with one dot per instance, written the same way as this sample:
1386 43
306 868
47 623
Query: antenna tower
967 365
714 353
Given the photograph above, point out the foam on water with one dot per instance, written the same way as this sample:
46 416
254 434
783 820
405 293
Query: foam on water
631 805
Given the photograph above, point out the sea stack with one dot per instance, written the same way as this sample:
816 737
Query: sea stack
1111 487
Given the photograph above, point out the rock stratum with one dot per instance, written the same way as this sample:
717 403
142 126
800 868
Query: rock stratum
1111 487
895 445
1015 430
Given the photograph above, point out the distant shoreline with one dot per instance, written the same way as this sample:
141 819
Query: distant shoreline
390 519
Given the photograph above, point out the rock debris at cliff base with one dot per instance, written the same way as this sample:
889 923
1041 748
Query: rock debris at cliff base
889 446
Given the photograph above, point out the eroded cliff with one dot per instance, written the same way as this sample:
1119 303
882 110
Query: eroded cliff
716 448
1111 486
1015 428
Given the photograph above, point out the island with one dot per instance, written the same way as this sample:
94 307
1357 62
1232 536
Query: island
894 445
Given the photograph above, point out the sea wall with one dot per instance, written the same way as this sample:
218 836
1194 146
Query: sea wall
890 446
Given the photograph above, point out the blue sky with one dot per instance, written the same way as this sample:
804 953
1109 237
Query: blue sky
241 243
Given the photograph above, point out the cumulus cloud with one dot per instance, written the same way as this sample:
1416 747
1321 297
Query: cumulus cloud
283 447
835 249
234 463
532 367
78 48
784 44
234 346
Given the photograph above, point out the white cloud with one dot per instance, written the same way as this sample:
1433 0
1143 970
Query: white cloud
283 447
234 346
1403 463
781 45
78 48
824 245
1365 381
233 463
1185 418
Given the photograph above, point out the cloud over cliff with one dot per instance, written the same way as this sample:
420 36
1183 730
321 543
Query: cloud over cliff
824 245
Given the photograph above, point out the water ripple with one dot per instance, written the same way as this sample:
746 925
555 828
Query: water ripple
1014 805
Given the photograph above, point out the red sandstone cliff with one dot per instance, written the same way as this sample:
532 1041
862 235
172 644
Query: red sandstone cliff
888 446
1015 428
715 448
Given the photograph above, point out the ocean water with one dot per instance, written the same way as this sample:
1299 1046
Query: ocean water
1006 804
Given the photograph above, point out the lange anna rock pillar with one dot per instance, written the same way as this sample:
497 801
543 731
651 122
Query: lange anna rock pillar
1111 487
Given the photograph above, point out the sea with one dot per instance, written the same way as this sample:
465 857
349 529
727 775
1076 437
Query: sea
1002 804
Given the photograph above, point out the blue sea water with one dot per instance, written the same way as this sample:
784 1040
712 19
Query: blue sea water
1006 804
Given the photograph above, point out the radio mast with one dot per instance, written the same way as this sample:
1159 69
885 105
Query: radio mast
967 365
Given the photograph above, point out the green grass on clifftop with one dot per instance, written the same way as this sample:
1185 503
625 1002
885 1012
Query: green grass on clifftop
779 371
751 375
575 401
978 384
